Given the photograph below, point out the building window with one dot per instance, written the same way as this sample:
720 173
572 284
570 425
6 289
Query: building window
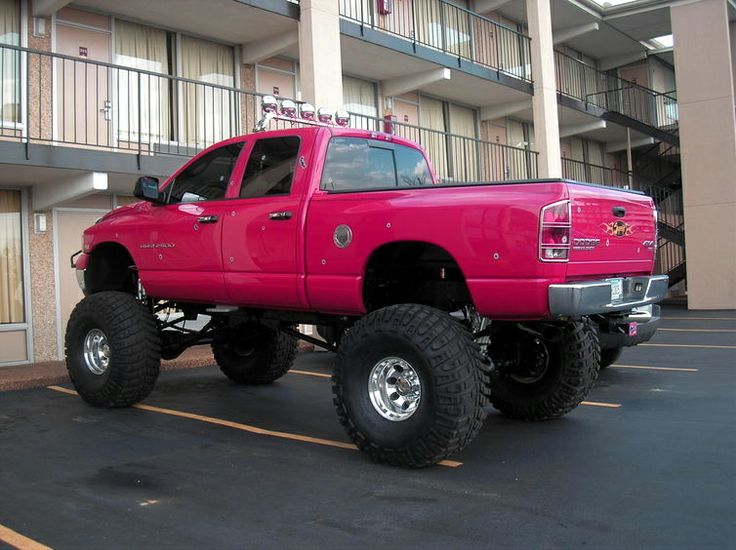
359 97
209 111
10 61
11 258
147 49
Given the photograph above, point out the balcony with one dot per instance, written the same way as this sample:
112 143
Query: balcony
444 27
460 159
583 82
591 173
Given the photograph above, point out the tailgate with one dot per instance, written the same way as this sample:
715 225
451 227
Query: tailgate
613 232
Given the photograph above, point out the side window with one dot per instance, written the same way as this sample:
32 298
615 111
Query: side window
356 164
206 178
270 168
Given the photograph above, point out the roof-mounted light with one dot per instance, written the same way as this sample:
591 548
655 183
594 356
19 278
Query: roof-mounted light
342 118
324 115
288 108
269 104
307 111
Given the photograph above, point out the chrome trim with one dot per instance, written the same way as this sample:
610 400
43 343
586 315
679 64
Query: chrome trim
80 279
592 297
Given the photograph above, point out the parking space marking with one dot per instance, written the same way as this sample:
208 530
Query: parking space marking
322 375
697 329
700 318
599 404
248 428
16 540
708 346
674 369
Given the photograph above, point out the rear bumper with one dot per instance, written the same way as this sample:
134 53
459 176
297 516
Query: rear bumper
594 297
614 332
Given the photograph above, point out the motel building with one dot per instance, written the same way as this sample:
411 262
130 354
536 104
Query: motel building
96 93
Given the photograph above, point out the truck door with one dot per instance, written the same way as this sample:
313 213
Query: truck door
262 245
180 254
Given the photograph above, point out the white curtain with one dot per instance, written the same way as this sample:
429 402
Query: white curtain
209 112
464 150
11 258
147 96
432 117
9 60
359 96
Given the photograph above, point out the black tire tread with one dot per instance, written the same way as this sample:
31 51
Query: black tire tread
465 376
580 357
275 356
134 338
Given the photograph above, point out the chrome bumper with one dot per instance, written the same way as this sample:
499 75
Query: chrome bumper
592 297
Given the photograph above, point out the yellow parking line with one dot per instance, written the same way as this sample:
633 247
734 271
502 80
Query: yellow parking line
677 369
321 375
688 346
599 404
310 373
697 329
700 318
16 540
249 428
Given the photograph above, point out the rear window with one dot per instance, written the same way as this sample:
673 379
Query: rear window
357 164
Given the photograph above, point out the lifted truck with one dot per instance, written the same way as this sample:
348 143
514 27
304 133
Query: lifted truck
439 299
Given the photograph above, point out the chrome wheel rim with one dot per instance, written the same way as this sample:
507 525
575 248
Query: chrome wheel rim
96 351
394 388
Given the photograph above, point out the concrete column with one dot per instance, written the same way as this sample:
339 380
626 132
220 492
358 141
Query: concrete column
705 95
546 125
320 61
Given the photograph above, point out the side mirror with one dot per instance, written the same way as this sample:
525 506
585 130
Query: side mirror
146 188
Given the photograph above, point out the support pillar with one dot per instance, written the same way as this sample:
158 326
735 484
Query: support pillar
546 124
704 69
320 61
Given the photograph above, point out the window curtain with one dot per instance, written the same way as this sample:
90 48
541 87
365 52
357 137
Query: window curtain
147 96
10 60
209 111
11 258
463 150
433 135
359 97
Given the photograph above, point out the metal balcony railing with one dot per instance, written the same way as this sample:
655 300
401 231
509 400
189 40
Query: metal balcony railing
584 82
448 28
459 158
591 173
61 100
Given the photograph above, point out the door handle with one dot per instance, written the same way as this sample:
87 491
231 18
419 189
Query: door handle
282 215
207 219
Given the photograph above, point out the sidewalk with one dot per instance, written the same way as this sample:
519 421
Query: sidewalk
35 375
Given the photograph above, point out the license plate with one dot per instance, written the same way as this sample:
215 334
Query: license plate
617 289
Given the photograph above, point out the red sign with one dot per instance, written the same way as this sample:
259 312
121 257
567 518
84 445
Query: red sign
82 51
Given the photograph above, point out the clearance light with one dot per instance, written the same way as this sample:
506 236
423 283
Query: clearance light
307 111
554 232
269 105
324 115
288 108
342 118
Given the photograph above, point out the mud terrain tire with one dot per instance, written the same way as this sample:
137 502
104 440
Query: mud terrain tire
113 349
418 343
255 354
571 372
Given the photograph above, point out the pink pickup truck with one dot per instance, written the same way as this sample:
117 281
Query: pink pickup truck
439 299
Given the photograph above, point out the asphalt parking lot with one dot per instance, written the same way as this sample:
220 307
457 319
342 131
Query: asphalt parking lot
650 461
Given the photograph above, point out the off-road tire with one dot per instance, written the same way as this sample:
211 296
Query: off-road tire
572 372
267 357
454 379
610 356
135 349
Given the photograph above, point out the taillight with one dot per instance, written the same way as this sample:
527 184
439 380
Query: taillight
655 247
555 221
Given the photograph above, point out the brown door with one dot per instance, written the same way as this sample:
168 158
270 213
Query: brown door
69 226
83 99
